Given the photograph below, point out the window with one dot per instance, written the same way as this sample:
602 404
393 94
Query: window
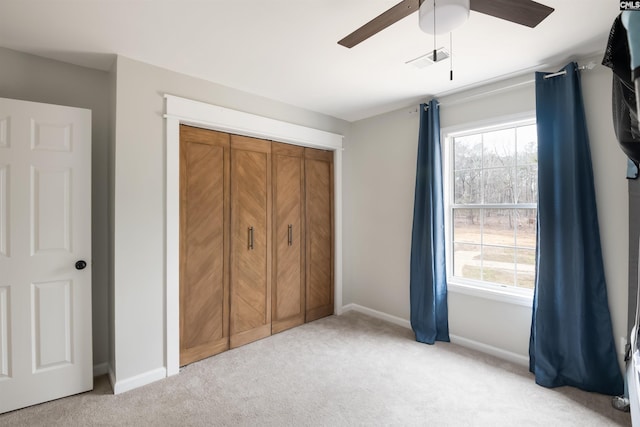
491 188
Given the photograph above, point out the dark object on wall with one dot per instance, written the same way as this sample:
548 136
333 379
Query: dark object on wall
625 113
625 121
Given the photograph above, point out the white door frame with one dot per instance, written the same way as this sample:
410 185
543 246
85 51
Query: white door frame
185 111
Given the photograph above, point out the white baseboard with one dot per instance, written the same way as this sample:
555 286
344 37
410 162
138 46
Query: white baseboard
377 314
122 386
100 369
509 356
512 357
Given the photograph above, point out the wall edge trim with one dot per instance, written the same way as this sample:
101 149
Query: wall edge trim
121 386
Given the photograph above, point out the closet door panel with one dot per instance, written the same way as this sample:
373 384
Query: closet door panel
204 242
251 240
319 245
288 303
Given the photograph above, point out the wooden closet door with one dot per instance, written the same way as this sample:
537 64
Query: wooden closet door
204 243
288 302
251 240
319 233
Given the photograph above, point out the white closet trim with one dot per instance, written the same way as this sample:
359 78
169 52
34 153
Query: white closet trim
185 111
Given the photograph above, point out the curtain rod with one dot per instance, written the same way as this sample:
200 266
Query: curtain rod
447 103
467 98
587 67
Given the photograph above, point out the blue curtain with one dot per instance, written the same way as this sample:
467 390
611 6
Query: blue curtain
571 334
428 280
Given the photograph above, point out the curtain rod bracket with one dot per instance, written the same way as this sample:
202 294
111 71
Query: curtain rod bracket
590 66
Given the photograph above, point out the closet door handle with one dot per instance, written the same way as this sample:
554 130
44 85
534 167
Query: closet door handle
290 235
250 238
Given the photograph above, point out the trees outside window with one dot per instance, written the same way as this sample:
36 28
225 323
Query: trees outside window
493 205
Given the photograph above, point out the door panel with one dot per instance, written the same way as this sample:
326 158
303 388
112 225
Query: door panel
4 210
50 136
319 232
251 240
51 202
5 351
52 327
204 271
288 305
45 227
4 131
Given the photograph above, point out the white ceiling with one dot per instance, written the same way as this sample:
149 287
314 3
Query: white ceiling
287 49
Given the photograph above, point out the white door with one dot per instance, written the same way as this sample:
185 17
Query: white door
45 229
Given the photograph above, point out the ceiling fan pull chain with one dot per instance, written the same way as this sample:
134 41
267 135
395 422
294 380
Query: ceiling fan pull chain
435 50
451 56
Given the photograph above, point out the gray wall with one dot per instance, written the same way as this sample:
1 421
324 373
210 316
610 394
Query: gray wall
32 78
379 173
139 185
379 181
609 168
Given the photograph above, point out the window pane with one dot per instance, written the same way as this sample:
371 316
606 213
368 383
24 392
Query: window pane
526 235
493 224
466 226
498 185
527 138
499 148
467 152
525 268
498 227
467 187
466 261
527 185
498 265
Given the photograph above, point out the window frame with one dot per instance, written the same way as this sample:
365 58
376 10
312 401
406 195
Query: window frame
511 294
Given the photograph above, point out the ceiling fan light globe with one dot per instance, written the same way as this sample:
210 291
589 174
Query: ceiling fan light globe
449 15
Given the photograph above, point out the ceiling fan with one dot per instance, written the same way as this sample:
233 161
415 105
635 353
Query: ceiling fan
523 12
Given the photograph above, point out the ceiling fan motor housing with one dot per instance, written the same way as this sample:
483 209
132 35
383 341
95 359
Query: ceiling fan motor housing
449 15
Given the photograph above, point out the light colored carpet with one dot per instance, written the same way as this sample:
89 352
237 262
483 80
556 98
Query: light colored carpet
346 370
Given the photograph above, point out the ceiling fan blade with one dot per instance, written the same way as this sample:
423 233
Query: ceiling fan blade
524 12
379 23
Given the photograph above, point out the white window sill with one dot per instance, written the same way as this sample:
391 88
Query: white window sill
497 294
